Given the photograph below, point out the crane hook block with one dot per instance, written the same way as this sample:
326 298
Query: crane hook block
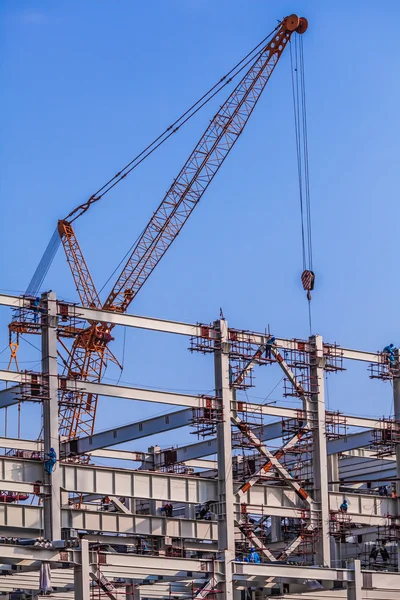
308 280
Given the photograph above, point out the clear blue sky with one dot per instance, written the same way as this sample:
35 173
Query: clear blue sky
86 85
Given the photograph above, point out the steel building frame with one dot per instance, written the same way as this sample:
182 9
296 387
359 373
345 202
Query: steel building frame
218 571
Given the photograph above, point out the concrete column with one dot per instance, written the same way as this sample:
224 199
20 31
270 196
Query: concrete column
354 588
226 524
52 513
319 454
81 574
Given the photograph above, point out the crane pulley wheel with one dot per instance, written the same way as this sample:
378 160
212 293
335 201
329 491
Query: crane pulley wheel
295 23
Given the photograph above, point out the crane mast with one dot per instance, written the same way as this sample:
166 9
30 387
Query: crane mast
88 354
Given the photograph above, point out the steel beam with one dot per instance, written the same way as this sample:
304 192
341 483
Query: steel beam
319 451
226 518
115 318
52 497
129 393
82 574
13 301
350 442
264 571
10 396
354 586
134 431
186 329
18 444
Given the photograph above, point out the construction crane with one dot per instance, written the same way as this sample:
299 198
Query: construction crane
90 350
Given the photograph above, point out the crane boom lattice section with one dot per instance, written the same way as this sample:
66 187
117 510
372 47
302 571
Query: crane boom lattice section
78 412
82 278
198 172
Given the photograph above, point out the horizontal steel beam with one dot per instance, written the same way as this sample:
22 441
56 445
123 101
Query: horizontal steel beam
355 440
104 316
187 329
145 395
134 431
10 396
263 571
18 444
121 455
13 301
128 393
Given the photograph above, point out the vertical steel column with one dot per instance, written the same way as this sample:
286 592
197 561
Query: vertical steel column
319 452
354 588
333 472
52 508
396 407
276 529
226 521
129 592
81 574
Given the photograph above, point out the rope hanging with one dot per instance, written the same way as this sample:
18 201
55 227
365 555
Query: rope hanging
300 121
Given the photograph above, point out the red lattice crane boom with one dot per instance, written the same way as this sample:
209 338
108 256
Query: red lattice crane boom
78 410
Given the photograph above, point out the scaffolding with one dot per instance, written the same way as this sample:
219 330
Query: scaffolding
386 438
335 425
206 417
333 355
340 526
383 370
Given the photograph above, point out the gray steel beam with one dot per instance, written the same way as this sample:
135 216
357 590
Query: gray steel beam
82 574
350 442
129 393
270 432
52 499
319 451
182 328
18 444
134 431
226 517
10 396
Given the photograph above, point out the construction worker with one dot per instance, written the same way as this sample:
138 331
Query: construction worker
343 507
35 307
389 351
253 556
383 491
49 464
268 347
384 552
230 375
373 555
168 509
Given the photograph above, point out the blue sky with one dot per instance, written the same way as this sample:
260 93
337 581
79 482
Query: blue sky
85 86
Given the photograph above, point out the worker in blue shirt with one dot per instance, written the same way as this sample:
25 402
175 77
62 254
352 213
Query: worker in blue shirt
343 507
253 556
268 347
35 307
389 351
49 464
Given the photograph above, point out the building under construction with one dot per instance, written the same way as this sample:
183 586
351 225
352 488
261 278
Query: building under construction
301 506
